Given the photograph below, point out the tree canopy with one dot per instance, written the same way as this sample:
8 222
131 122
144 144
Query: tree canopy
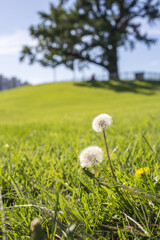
90 31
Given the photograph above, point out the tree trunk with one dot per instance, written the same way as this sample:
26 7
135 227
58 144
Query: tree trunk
113 64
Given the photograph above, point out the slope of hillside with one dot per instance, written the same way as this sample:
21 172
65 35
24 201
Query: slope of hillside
76 101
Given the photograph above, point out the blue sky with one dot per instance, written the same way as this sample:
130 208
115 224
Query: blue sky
15 19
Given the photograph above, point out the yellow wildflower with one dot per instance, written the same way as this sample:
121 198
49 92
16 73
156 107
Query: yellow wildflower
140 171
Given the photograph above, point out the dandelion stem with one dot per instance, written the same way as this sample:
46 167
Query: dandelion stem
104 135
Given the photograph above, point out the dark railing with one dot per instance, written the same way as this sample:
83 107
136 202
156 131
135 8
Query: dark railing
148 76
104 76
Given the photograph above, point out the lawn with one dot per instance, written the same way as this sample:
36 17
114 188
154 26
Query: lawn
44 128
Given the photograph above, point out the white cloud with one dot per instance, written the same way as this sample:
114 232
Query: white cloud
11 44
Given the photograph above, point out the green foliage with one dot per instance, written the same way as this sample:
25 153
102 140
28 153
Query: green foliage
42 131
89 31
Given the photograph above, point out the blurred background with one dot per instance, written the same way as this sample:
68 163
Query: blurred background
15 20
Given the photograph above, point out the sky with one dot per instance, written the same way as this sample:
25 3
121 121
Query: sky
15 19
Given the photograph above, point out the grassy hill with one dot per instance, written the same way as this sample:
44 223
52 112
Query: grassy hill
42 131
76 101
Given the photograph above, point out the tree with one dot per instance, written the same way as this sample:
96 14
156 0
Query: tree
90 31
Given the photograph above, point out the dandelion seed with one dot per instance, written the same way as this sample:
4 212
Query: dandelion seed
156 179
140 171
101 122
91 156
71 228
116 217
151 203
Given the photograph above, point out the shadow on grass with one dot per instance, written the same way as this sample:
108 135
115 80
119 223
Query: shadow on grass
136 86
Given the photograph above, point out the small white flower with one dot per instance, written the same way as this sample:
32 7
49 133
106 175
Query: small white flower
91 156
101 122
7 145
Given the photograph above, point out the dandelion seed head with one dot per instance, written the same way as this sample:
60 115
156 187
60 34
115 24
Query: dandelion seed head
91 156
101 122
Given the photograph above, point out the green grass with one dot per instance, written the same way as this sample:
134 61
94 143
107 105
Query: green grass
46 127
67 101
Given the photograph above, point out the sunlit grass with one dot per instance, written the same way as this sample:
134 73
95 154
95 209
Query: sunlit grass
42 131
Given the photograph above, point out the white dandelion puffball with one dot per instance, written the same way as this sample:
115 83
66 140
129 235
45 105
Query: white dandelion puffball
91 156
101 122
